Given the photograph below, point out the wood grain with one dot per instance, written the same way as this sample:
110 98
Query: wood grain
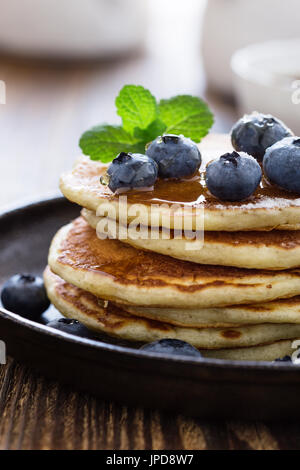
40 414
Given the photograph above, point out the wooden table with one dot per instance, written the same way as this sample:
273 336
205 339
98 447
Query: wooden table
48 106
40 414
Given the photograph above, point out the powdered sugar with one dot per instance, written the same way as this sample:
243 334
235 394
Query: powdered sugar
263 203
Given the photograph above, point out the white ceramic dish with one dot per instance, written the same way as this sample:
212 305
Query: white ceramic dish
266 78
230 25
72 28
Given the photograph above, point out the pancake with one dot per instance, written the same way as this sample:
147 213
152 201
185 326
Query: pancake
76 303
267 209
116 271
266 352
245 249
277 311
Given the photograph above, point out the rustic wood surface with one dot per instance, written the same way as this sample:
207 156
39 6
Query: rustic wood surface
48 106
40 414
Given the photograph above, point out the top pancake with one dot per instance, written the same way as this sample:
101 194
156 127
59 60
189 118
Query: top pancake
268 208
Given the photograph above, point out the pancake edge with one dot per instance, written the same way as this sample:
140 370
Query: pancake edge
218 253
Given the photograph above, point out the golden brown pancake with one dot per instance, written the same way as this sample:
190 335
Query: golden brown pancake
265 352
116 271
276 249
83 306
270 207
277 311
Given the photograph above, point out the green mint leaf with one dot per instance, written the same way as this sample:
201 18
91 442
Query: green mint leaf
137 107
187 115
143 120
155 129
105 142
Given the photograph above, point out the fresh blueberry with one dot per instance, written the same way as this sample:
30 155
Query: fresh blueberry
25 295
282 164
233 177
255 132
172 346
176 156
131 170
284 359
71 326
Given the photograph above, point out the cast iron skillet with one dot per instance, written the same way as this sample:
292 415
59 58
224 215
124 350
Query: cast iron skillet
200 387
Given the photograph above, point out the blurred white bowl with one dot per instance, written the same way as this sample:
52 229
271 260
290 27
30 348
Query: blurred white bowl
266 78
230 25
72 28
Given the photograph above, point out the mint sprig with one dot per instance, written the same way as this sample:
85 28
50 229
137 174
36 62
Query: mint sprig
106 142
143 119
186 115
137 107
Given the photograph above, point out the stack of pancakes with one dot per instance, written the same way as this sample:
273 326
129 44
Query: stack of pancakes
235 297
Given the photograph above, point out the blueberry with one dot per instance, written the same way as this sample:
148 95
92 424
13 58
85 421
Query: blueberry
176 156
233 177
282 164
25 295
71 326
255 132
284 359
172 346
131 170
